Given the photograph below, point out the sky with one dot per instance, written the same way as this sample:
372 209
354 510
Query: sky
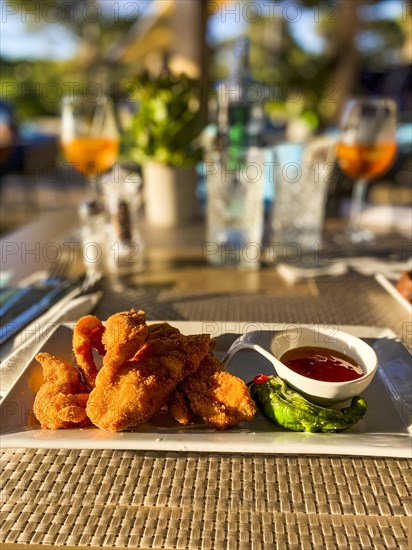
17 42
224 26
54 41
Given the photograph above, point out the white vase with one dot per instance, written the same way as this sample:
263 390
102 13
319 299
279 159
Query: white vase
169 194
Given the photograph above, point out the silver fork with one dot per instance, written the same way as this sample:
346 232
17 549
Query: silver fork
55 276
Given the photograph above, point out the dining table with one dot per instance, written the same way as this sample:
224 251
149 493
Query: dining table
200 491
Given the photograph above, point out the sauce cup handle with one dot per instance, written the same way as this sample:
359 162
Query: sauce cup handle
278 366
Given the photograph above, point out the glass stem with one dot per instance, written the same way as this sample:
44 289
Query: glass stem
95 185
357 203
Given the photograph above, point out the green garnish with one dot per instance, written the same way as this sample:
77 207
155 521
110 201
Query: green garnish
283 405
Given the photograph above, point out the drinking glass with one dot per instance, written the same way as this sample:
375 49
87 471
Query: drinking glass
89 136
366 149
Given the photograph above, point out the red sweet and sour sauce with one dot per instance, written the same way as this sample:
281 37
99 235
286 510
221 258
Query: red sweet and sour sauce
322 364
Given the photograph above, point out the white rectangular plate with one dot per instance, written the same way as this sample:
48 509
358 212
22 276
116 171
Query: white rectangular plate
385 430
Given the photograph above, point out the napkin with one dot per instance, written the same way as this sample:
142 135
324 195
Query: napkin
24 350
293 273
5 277
388 217
370 266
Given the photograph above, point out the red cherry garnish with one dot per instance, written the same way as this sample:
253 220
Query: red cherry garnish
260 379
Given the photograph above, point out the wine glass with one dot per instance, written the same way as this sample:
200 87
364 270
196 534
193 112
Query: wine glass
366 149
89 136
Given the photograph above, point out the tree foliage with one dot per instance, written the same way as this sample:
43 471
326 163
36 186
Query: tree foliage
314 84
350 42
37 86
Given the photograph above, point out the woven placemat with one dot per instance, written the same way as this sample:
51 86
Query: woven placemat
356 300
197 501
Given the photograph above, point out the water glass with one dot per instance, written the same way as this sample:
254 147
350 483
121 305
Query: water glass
235 212
301 175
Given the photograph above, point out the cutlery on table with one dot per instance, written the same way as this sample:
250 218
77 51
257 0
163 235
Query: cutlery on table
70 289
14 360
55 277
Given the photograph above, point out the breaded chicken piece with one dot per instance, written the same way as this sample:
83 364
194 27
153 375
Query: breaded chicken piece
219 397
87 336
157 331
129 390
178 407
125 334
62 398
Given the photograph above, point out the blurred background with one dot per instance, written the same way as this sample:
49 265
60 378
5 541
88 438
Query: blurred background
311 55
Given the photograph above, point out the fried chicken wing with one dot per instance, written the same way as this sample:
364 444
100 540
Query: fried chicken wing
62 398
87 336
218 396
129 392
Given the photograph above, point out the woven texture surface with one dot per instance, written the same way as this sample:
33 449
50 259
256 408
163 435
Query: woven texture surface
159 500
350 301
194 501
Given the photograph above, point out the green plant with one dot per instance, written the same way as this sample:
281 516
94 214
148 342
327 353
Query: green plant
167 121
